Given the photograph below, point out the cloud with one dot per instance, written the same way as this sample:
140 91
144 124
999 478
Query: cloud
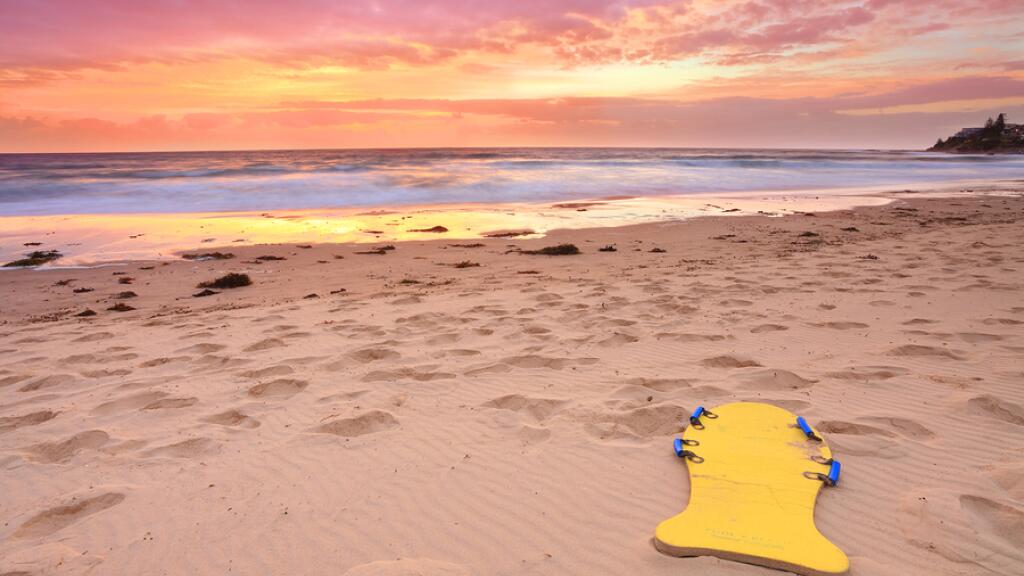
65 35
582 121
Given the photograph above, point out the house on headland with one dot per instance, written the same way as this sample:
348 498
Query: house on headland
995 136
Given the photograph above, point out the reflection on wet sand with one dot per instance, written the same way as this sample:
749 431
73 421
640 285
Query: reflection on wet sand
88 239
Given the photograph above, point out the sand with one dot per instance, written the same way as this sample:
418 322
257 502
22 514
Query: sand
392 414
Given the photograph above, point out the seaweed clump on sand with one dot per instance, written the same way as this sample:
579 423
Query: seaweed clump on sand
510 234
435 229
465 264
381 251
209 256
121 307
559 250
86 313
204 293
36 258
126 294
231 280
608 248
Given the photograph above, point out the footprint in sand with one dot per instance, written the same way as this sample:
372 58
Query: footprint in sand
265 344
643 422
842 325
12 423
690 337
617 340
919 322
51 381
204 348
997 408
1009 477
977 337
366 423
919 350
131 402
539 409
456 352
268 372
233 418
852 429
367 355
729 361
768 328
422 374
164 360
772 379
49 521
57 452
903 426
283 387
1001 520
661 384
866 373
190 448
171 403
106 373
11 380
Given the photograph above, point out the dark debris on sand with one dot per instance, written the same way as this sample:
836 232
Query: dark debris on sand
466 264
381 251
36 258
209 256
559 250
608 248
121 307
204 293
231 280
86 313
435 229
512 234
126 295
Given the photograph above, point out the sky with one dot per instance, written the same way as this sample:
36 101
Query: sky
124 75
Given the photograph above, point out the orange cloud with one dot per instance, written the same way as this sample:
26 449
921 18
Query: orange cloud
169 74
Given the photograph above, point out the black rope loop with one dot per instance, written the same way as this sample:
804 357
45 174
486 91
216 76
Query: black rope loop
819 476
692 457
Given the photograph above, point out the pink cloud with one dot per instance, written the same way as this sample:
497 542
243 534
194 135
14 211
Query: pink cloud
73 34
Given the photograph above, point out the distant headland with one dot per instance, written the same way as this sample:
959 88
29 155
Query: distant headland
995 137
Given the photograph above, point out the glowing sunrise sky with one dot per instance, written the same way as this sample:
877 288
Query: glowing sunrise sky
90 75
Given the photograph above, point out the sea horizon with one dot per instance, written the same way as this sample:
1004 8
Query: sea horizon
240 181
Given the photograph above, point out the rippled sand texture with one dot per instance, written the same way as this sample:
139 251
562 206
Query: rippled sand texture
516 417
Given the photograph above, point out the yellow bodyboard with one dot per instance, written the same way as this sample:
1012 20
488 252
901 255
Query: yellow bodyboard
750 499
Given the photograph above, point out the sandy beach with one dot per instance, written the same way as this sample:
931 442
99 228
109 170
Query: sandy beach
456 407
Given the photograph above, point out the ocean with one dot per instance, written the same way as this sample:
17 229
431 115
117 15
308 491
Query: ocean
185 182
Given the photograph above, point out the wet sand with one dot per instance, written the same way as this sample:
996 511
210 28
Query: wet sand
395 412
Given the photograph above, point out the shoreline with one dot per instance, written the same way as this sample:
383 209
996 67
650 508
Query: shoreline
165 236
